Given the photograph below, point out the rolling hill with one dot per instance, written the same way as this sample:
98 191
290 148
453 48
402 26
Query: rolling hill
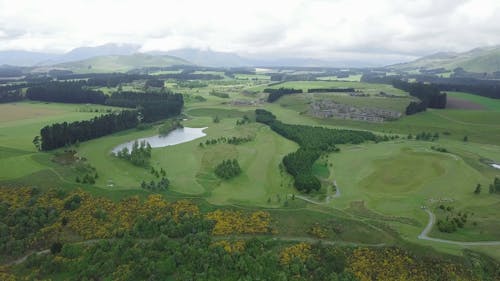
486 59
121 63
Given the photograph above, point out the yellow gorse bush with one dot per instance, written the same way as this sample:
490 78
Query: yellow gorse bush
237 222
300 251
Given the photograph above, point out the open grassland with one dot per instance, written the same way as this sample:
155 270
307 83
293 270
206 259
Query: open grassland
367 88
21 122
486 103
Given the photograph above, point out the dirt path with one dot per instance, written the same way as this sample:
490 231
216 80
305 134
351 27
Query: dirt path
215 238
432 219
327 199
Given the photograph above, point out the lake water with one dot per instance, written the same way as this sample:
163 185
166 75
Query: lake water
496 166
177 136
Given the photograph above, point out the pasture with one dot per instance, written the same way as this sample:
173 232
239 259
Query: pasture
484 102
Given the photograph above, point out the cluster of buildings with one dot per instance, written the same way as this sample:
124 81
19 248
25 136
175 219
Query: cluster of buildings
332 109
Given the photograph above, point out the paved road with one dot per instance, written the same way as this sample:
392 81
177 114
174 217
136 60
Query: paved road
432 219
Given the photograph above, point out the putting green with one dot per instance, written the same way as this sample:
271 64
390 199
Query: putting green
404 172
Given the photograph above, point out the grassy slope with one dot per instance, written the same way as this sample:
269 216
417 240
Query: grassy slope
478 60
490 104
121 63
17 135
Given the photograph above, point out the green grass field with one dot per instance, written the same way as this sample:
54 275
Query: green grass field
382 186
367 88
489 104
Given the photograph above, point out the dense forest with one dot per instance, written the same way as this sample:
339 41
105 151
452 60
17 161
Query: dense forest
62 134
313 141
66 92
155 239
275 94
152 106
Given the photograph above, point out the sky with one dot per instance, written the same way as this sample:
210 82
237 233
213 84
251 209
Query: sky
322 29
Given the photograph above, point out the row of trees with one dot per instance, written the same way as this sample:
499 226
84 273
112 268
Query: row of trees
10 96
482 87
425 136
66 92
161 185
228 140
313 141
275 94
62 134
152 106
331 90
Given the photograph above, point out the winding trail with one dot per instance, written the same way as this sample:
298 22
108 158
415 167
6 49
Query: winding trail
424 235
327 199
215 238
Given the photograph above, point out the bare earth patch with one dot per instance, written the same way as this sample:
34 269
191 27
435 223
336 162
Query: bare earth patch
14 111
456 103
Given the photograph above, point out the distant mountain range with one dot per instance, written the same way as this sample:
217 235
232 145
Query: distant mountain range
486 59
123 57
107 55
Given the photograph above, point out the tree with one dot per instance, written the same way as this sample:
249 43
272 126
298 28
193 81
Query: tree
56 247
478 189
466 139
37 142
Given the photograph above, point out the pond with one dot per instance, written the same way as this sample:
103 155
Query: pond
177 136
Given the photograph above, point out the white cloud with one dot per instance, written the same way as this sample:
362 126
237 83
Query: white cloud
316 28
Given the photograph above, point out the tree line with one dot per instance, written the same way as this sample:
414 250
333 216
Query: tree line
313 141
10 96
275 94
482 87
331 90
62 134
151 106
66 92
429 95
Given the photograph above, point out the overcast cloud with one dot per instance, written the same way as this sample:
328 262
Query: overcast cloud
326 29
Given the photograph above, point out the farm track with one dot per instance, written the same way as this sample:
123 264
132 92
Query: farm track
432 219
